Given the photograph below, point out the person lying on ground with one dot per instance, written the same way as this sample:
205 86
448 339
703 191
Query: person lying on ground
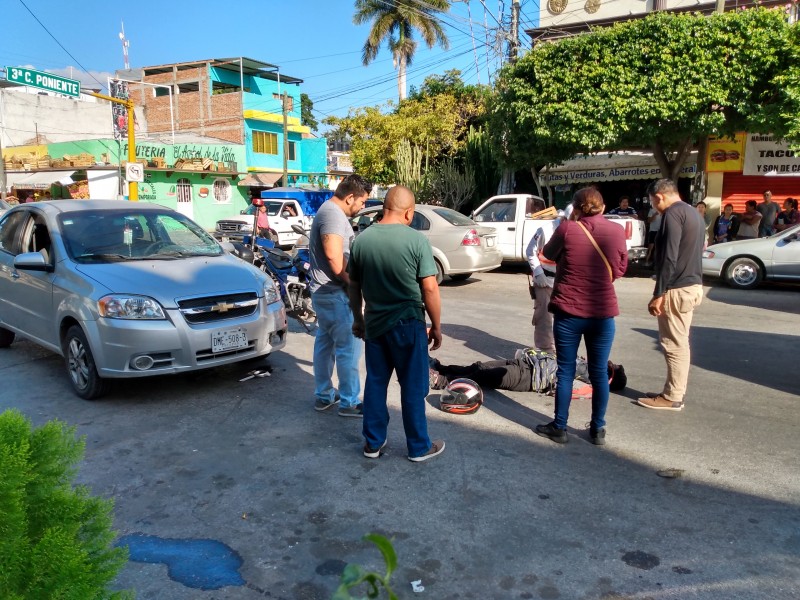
530 370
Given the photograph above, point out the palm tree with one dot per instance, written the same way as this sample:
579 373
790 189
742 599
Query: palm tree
395 21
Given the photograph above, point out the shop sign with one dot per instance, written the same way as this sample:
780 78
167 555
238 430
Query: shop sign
119 112
44 81
610 174
767 155
170 154
725 155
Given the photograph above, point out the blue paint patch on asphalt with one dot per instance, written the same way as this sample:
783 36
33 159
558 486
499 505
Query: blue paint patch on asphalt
198 564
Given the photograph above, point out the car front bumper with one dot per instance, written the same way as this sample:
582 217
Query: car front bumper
713 266
177 346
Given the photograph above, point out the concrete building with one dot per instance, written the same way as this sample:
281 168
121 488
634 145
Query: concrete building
238 100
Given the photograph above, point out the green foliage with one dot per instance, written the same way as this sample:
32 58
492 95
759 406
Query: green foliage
355 576
408 161
480 155
660 82
450 186
395 22
306 112
55 539
437 124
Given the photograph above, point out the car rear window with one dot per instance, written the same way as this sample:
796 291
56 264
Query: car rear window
453 217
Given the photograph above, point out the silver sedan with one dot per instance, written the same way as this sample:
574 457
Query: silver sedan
460 246
745 263
124 289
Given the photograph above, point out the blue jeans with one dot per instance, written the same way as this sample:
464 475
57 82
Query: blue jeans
335 342
598 335
403 349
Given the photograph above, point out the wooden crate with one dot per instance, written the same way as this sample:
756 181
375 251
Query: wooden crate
207 164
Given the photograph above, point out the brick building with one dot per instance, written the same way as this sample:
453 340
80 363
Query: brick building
237 100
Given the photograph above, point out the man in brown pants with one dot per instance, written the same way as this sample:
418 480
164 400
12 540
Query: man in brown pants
678 290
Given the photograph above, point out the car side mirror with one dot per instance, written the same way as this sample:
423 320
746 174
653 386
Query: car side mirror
286 214
32 261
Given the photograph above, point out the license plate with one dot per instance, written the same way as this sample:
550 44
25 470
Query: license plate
225 238
489 242
228 339
292 279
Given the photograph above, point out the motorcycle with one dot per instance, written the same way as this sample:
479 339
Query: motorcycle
289 271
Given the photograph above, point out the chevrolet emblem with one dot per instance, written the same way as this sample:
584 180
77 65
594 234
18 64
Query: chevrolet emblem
223 307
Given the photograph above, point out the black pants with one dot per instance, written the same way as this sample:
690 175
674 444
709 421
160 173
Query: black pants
514 375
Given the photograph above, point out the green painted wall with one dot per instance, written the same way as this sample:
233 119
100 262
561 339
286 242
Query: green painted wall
214 195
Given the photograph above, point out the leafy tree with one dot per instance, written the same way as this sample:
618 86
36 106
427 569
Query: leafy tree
394 21
56 539
661 82
306 112
436 124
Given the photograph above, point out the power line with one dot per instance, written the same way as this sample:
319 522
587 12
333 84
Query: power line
60 44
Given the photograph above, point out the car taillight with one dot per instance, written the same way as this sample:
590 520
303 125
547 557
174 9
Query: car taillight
471 239
628 230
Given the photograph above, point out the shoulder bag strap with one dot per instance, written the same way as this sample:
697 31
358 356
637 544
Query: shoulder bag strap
596 247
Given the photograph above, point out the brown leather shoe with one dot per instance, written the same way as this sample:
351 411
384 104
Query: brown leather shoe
659 403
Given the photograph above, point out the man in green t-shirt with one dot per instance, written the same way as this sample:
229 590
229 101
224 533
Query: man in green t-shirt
392 270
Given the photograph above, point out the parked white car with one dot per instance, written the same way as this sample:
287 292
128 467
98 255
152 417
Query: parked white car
282 215
746 263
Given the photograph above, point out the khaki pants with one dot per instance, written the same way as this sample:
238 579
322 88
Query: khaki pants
542 320
673 330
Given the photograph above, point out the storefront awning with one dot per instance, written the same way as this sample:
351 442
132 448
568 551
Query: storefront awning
610 166
39 179
260 179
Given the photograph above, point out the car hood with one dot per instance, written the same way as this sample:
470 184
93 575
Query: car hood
728 248
169 280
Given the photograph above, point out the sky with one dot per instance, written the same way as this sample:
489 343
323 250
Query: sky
313 40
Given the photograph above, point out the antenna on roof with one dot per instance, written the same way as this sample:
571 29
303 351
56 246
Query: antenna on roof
125 44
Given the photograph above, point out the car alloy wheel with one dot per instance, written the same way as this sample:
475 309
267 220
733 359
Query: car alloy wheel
81 366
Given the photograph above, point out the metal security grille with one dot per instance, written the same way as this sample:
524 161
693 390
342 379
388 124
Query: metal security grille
184 190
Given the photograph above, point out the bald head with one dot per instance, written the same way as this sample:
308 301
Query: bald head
399 198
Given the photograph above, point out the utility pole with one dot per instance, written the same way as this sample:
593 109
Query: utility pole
284 98
513 43
133 187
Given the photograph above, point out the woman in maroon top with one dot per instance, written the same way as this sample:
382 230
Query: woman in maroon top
584 305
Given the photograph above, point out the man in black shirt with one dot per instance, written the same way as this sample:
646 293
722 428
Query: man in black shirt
624 209
678 290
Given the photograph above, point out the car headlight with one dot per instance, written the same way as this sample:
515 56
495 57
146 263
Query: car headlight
117 306
708 254
271 292
246 228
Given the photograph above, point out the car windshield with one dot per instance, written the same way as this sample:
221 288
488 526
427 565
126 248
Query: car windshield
94 236
453 217
272 208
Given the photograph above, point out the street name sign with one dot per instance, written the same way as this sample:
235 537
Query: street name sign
44 81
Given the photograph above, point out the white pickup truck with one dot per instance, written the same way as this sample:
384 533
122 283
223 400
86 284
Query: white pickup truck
282 215
509 214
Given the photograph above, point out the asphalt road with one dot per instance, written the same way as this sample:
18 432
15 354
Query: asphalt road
502 513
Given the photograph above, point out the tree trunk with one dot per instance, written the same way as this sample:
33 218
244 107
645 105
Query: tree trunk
401 77
506 185
671 170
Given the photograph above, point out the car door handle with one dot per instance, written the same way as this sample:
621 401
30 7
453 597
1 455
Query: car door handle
14 275
512 228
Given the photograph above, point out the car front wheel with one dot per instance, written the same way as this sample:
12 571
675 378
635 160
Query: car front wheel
81 366
743 273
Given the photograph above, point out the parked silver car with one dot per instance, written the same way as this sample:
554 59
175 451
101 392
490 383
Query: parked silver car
124 289
460 246
745 263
